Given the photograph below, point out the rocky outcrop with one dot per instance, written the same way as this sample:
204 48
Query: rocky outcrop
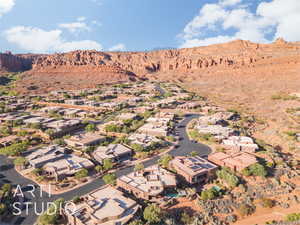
235 54
236 57
14 63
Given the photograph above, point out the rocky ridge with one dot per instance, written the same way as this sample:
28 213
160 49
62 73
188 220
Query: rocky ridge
234 54
14 63
84 69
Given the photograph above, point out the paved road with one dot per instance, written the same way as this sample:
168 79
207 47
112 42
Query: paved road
9 175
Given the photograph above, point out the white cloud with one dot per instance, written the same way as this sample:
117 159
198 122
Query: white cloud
6 6
37 40
118 47
208 16
286 15
231 19
229 2
81 18
207 41
75 45
75 26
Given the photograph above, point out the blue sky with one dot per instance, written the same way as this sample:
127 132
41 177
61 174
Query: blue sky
45 26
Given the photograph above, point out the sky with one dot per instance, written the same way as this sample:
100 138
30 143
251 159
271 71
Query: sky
48 26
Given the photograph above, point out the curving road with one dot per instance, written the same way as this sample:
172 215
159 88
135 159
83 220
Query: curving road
9 175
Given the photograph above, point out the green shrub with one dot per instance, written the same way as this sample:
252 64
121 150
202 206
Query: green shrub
226 175
81 173
209 194
165 160
292 217
110 178
267 203
152 214
52 214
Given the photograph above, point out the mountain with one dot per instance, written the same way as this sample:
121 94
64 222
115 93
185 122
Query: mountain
217 63
239 74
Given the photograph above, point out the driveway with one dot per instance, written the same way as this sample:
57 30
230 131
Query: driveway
9 175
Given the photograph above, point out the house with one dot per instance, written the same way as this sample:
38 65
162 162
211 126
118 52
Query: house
66 166
193 169
74 102
71 113
63 127
143 109
236 161
240 143
38 158
49 109
38 120
84 140
9 117
158 121
127 116
105 206
148 184
154 130
143 139
55 162
218 131
6 141
116 152
165 102
209 109
220 118
189 105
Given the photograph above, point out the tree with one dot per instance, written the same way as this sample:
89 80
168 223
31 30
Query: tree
90 127
3 208
76 199
293 217
81 173
14 149
258 170
107 164
37 171
89 149
110 178
6 188
52 214
170 138
137 147
22 133
20 161
98 168
228 177
139 167
152 214
194 153
209 194
164 160
246 172
186 218
59 141
36 126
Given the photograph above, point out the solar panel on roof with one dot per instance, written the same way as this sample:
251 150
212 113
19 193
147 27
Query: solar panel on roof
193 160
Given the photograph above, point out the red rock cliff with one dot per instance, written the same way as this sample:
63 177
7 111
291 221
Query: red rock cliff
14 63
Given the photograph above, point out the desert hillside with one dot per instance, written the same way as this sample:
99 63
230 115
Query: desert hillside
233 61
240 74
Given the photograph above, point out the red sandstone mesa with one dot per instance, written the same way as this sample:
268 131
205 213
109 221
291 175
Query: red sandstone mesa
89 68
